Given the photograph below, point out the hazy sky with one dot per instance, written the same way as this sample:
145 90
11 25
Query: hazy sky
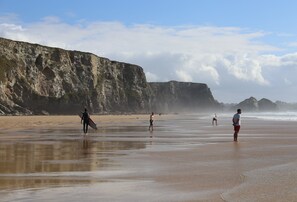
239 48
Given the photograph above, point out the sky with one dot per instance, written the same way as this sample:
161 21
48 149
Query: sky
238 48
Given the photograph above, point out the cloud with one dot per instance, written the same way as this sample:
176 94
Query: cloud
245 67
292 44
222 57
151 77
183 75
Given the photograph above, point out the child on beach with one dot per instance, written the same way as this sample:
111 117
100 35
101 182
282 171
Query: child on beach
151 121
215 120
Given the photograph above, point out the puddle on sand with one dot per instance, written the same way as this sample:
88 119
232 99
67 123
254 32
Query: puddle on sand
49 158
63 157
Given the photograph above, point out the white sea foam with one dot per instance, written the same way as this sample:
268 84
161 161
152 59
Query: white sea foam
278 116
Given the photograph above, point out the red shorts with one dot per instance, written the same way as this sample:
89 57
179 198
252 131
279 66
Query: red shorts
236 128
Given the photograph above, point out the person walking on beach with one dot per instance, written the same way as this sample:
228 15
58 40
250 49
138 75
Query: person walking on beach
215 120
85 118
151 127
236 124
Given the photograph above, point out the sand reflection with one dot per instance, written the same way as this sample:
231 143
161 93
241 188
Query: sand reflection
51 163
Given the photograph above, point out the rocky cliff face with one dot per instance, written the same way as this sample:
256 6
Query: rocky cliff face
176 96
252 105
284 106
35 79
267 105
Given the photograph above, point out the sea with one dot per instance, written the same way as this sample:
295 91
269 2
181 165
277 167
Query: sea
271 116
277 116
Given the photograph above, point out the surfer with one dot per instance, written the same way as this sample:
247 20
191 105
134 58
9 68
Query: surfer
151 121
85 118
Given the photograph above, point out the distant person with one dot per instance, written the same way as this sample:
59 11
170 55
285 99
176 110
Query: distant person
236 124
215 120
151 127
85 118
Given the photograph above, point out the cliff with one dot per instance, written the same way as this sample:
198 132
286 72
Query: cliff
267 105
36 79
253 105
284 106
176 96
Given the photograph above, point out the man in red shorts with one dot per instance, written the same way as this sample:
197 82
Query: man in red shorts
236 124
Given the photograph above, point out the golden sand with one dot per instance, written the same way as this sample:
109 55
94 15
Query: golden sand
23 122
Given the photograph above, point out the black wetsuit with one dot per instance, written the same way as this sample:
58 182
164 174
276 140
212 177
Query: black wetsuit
85 117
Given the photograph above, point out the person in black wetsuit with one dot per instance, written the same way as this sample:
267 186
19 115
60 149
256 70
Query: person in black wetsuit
85 119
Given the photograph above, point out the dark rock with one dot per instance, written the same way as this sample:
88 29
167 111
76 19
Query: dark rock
253 105
176 96
267 105
250 104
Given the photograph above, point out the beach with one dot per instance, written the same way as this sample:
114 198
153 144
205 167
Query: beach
185 158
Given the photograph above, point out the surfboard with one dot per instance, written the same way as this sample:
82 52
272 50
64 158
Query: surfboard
92 124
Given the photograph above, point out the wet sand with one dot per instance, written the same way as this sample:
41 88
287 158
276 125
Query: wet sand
185 158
